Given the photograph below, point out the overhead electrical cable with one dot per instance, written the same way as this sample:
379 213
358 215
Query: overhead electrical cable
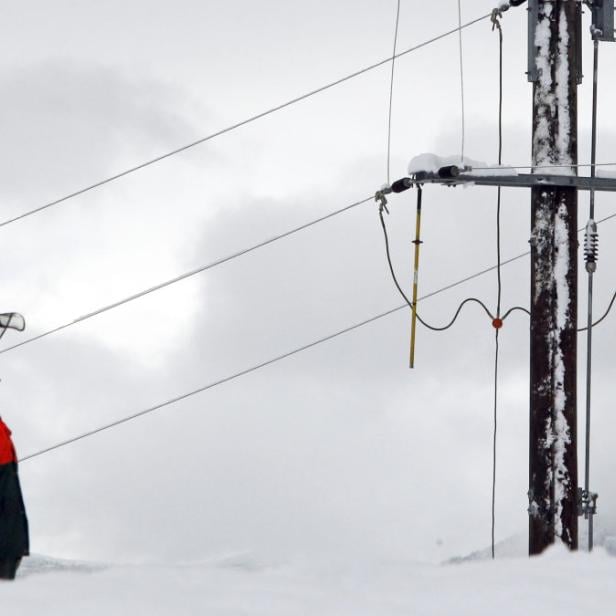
461 57
533 167
391 90
245 251
274 360
186 275
258 366
242 123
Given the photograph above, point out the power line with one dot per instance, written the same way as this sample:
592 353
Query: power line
269 362
228 258
461 56
532 167
240 124
274 360
186 275
391 91
227 379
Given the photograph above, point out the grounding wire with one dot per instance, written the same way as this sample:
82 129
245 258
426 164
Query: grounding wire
237 125
580 329
281 357
186 275
609 308
494 434
516 308
408 301
497 25
391 90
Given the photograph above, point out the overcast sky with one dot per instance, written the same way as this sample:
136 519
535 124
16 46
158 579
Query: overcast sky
342 448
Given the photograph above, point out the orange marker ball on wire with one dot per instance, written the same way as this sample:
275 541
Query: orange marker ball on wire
497 323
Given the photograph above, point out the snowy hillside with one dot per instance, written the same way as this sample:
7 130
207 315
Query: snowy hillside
555 583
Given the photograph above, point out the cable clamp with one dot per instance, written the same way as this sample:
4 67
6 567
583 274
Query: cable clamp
381 199
595 33
497 14
587 503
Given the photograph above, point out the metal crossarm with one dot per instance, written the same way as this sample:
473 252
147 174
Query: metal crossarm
452 176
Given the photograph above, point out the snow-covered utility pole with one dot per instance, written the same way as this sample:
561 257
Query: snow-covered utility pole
555 69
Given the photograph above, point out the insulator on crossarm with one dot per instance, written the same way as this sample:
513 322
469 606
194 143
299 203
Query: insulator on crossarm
591 246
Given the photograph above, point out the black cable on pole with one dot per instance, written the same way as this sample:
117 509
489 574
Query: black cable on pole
472 299
514 309
609 308
185 275
497 25
580 329
240 124
408 301
493 545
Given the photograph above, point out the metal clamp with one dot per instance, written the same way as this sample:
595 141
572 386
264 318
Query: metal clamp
381 199
602 28
587 503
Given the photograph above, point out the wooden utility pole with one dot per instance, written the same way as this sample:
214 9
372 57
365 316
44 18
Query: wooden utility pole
553 480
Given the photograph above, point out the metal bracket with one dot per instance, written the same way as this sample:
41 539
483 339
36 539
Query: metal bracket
602 28
587 503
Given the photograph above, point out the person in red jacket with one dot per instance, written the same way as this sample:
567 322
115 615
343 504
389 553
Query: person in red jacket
14 537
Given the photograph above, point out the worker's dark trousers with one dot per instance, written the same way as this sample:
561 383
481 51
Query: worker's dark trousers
8 568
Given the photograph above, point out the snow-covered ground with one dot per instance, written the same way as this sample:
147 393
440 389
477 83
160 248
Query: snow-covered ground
557 583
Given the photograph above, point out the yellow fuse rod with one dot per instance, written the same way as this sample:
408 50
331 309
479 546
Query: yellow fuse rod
417 243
